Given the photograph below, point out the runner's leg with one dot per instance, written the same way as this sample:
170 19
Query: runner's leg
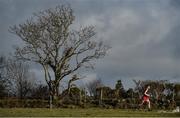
141 103
149 104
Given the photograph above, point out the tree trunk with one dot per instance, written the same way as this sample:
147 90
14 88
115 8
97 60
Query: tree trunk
101 96
84 96
69 87
54 92
80 97
50 101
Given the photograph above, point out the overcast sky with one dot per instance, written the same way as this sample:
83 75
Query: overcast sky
144 35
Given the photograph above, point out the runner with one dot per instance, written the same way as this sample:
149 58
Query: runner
146 97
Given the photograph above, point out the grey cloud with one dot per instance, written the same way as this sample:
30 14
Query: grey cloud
143 43
144 35
175 3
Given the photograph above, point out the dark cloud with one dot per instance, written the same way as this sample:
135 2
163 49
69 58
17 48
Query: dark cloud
175 3
144 34
173 41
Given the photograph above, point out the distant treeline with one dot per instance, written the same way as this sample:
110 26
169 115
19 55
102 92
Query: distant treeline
18 88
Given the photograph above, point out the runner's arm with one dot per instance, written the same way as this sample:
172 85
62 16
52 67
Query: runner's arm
145 93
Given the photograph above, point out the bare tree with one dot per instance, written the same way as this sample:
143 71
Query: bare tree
20 78
50 42
93 85
40 91
3 82
3 64
119 89
138 88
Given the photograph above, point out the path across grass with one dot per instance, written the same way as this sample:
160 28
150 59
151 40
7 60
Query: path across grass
89 112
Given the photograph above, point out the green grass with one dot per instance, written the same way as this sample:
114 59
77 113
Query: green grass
89 112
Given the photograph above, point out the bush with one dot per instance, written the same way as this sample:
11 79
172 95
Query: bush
24 103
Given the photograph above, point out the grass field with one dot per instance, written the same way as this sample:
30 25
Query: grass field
94 112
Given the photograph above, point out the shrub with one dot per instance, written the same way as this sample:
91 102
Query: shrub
24 103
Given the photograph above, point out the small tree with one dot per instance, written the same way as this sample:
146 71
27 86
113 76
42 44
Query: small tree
93 85
130 93
49 41
3 92
120 92
40 91
19 77
177 91
2 67
3 81
74 78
